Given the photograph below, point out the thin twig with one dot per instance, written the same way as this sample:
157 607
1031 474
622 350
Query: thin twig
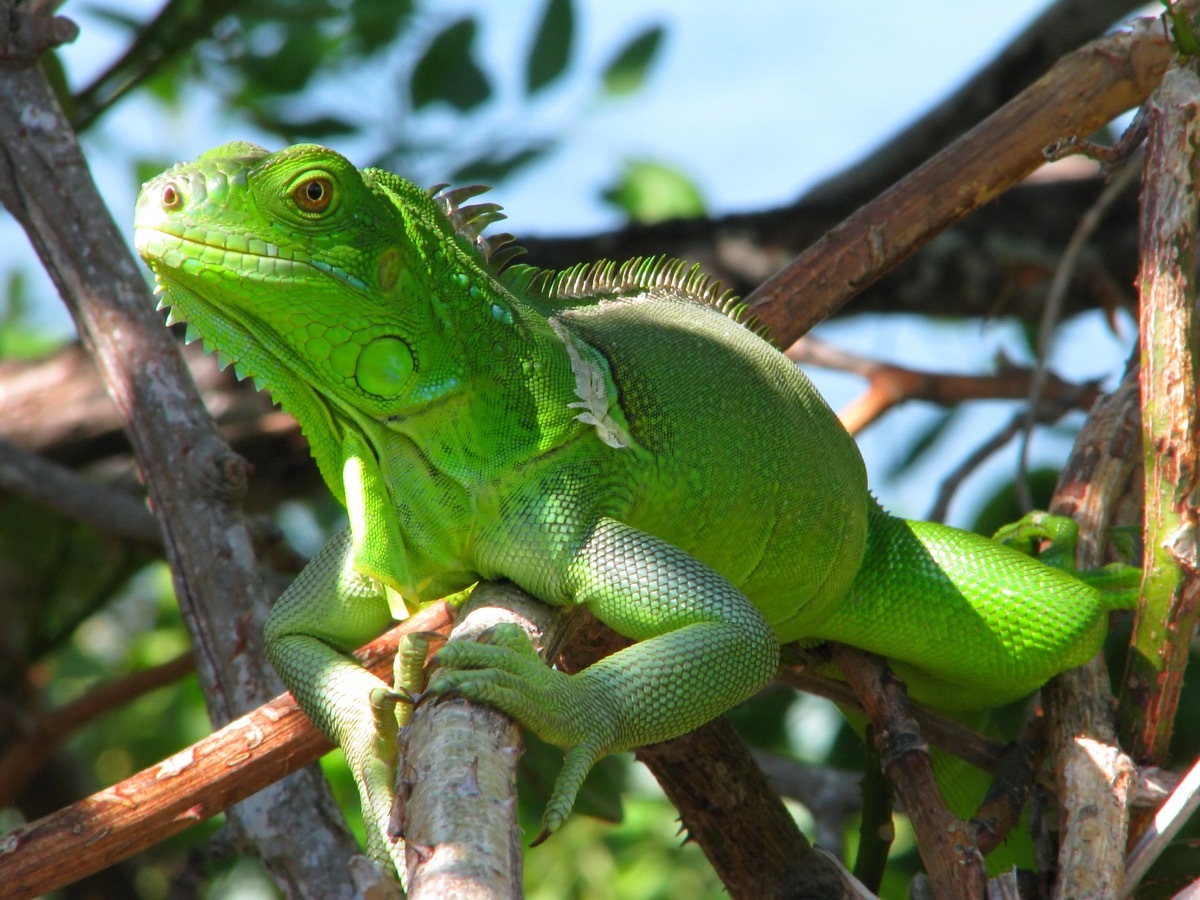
1055 298
890 385
23 759
976 458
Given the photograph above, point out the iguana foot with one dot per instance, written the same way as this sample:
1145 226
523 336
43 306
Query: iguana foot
1051 539
408 671
506 673
377 771
1031 531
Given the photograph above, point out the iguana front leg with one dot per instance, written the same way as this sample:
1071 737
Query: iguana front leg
702 647
327 612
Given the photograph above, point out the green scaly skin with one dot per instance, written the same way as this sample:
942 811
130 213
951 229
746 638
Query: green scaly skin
606 436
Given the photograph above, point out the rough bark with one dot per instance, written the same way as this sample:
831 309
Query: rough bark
195 482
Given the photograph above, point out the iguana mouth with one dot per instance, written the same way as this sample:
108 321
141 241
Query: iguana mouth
247 257
192 254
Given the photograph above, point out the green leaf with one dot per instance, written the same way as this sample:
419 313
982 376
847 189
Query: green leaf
627 71
551 46
377 22
649 191
446 72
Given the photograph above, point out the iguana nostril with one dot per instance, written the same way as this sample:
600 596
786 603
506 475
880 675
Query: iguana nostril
171 197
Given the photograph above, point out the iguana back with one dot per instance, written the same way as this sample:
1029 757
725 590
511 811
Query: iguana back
730 455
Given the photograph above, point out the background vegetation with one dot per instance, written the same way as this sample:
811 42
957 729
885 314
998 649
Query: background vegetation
91 622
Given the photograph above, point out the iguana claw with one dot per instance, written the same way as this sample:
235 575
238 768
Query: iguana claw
507 674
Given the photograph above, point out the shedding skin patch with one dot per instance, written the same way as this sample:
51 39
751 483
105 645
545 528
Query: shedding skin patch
591 387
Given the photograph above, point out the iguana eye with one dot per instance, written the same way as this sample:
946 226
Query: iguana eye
313 195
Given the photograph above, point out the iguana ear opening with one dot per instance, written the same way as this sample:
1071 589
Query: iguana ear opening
387 270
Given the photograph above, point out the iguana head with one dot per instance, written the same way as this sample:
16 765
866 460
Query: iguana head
328 285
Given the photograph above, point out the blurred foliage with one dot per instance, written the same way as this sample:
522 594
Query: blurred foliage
322 69
649 192
81 608
628 69
54 575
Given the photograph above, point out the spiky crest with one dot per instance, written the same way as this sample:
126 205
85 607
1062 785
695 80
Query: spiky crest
637 275
642 273
470 221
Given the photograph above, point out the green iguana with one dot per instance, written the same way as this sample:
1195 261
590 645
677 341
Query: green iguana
610 436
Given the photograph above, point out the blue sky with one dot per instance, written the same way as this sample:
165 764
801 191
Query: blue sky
754 107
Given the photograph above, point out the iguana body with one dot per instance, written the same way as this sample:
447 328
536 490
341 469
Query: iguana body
605 436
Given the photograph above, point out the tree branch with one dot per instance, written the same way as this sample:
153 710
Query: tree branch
1080 93
200 781
889 385
952 861
1092 776
1166 619
195 482
457 785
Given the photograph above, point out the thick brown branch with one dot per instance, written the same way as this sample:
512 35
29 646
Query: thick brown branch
1082 92
1166 620
457 784
228 766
